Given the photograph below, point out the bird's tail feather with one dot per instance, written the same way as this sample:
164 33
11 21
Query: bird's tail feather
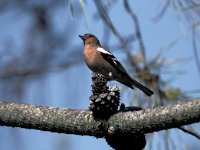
131 83
146 90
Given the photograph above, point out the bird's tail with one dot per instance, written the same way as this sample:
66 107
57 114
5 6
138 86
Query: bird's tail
146 90
131 83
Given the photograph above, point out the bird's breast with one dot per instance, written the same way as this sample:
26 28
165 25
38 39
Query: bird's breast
89 56
96 62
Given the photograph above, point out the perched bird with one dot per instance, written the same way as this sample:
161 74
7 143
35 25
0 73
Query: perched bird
104 62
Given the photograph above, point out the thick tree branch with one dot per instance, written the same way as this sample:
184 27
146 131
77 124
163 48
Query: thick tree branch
81 122
158 118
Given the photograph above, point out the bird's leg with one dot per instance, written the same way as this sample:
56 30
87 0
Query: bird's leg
129 108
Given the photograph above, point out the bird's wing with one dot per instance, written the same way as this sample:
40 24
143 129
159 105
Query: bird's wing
109 57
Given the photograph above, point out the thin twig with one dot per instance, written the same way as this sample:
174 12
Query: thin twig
137 28
194 46
32 71
160 15
107 20
188 8
193 133
109 23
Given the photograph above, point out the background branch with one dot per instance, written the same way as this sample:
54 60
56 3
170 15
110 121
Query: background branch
195 49
189 131
137 28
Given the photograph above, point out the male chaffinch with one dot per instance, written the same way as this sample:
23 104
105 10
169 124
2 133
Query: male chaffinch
104 62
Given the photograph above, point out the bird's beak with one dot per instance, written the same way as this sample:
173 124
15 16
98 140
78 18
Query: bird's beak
82 37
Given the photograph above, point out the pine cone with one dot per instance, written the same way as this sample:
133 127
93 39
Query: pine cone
127 142
104 101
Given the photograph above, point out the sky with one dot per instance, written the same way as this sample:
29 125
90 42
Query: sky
76 81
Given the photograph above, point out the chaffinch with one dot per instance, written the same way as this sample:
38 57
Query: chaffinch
102 61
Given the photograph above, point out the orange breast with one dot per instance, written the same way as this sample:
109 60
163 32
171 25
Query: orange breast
90 54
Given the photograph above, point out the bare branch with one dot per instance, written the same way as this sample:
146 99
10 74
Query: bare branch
194 46
137 28
191 132
109 23
107 20
158 118
160 15
81 122
32 71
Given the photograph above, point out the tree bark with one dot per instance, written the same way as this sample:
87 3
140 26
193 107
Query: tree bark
81 122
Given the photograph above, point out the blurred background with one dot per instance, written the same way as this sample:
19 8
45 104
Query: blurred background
42 61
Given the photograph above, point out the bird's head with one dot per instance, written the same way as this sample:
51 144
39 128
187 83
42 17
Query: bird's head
89 39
